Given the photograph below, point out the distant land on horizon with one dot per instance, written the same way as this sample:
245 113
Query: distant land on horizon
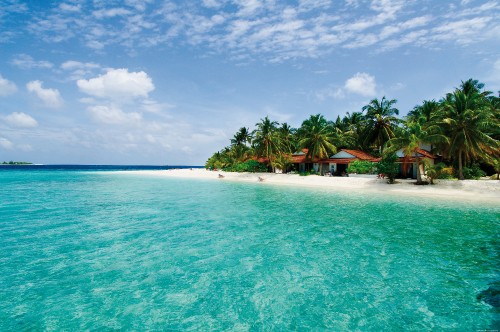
16 163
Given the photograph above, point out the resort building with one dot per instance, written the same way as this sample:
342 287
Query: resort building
335 165
302 164
408 164
339 162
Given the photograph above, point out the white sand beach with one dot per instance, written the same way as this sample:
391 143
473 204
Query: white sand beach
469 190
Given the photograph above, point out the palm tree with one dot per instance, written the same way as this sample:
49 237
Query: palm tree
380 122
494 106
353 126
469 124
427 111
317 136
287 138
266 140
242 137
472 86
412 135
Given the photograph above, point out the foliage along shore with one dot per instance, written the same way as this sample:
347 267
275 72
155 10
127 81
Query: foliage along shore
463 128
16 163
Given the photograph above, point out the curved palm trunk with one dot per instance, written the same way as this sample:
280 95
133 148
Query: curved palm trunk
419 176
460 167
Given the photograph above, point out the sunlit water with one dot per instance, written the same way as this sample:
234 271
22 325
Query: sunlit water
93 251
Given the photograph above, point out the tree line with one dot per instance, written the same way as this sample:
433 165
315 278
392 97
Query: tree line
463 127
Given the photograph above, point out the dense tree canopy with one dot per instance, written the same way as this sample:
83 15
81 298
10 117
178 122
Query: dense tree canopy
317 136
463 128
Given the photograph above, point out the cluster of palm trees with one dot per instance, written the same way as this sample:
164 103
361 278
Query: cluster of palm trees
463 127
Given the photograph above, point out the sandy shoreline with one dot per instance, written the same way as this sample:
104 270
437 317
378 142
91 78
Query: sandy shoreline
467 190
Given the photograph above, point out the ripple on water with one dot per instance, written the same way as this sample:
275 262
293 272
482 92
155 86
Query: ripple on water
93 251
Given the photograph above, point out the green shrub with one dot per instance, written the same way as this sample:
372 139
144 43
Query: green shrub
433 171
446 173
474 172
388 167
361 167
247 166
310 172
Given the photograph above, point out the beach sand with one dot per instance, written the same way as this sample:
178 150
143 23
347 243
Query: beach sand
470 190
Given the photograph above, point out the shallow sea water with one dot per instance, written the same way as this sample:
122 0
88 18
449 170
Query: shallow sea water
103 251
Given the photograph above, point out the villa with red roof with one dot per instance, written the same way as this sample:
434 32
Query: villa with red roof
335 165
408 168
339 162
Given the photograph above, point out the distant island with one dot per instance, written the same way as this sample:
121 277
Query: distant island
16 163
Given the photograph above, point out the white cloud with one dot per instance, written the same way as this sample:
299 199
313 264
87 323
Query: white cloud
269 29
139 5
279 116
50 97
118 84
463 31
152 106
78 69
69 8
112 12
211 3
73 65
95 44
113 115
20 120
248 7
362 84
7 87
25 61
5 143
330 92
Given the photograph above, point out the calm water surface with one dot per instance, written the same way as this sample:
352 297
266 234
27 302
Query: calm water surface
101 250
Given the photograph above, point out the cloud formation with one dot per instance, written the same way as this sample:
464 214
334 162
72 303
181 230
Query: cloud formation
25 61
79 70
113 115
6 87
118 84
362 84
20 120
273 30
6 144
50 97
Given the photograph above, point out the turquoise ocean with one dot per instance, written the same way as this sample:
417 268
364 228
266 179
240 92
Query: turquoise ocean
87 249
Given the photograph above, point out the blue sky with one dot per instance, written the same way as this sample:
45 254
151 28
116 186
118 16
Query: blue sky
170 82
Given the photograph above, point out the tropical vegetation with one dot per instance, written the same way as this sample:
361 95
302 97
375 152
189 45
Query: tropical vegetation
16 163
462 129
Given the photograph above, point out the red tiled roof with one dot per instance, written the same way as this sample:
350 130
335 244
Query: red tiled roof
359 154
297 159
412 159
426 153
300 157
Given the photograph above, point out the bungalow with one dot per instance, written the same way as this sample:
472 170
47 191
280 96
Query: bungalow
336 164
302 164
339 162
408 164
